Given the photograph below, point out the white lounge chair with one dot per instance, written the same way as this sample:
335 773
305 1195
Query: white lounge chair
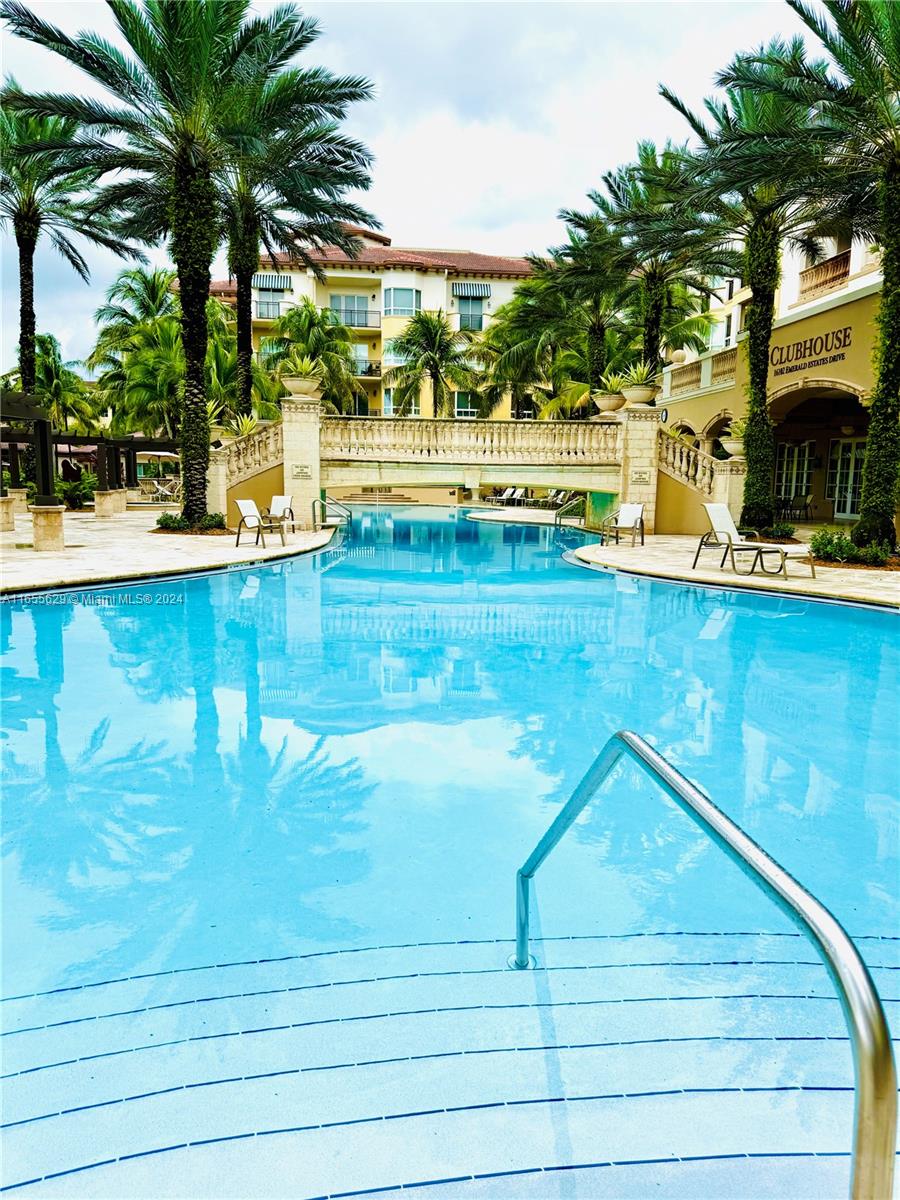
502 498
281 509
628 519
251 518
724 535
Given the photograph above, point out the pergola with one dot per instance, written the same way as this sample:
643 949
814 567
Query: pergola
111 453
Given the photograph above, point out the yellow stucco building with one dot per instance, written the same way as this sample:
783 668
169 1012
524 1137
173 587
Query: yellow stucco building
820 376
375 295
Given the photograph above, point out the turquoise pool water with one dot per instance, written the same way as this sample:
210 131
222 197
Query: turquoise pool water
289 767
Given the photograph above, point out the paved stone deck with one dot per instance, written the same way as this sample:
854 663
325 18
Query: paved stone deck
519 514
124 547
667 556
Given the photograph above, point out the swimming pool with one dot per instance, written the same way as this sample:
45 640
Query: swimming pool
261 829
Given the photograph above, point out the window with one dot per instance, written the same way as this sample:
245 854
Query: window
351 310
728 324
466 405
391 358
730 293
402 302
470 313
268 303
387 408
793 469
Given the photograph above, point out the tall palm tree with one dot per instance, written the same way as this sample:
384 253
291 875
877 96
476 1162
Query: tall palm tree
308 332
760 217
637 199
434 352
177 116
36 201
850 152
71 405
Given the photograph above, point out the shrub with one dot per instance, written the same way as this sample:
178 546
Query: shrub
781 529
833 546
212 521
173 521
76 492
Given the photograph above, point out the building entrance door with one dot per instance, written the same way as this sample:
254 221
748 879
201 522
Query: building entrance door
845 476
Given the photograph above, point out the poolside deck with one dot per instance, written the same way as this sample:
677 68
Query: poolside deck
126 547
669 556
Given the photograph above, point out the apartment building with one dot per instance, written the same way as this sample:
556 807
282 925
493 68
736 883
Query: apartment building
375 295
820 375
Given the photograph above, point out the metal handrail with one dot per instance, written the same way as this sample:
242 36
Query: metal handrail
875 1115
328 503
565 508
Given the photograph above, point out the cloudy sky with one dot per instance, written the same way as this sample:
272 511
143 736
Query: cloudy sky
488 117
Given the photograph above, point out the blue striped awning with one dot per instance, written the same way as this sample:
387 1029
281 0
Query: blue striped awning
273 283
471 289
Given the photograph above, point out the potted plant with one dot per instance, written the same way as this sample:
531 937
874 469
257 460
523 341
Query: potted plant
609 397
640 383
301 375
732 438
214 415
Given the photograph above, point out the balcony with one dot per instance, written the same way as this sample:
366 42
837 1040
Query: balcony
357 318
268 310
825 276
367 368
685 379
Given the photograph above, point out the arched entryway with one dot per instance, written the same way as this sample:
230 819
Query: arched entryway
820 442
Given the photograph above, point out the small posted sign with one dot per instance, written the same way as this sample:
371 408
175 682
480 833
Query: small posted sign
639 475
301 471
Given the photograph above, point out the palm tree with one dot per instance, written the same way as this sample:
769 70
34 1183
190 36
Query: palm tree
761 217
178 116
64 394
36 201
849 150
638 200
308 332
432 350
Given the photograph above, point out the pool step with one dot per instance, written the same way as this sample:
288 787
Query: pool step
341 1072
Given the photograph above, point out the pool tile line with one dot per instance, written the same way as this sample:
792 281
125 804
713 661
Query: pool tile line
308 987
255 962
417 1113
556 1046
586 1166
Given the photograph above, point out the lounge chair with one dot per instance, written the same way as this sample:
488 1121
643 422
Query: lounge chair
518 497
281 509
725 535
502 498
628 519
251 518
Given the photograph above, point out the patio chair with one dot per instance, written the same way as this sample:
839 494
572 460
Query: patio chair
725 536
518 497
801 508
281 509
502 498
251 518
627 519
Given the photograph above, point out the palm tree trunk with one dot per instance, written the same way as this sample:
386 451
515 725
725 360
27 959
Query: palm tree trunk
596 355
882 461
195 236
653 303
26 239
762 271
243 259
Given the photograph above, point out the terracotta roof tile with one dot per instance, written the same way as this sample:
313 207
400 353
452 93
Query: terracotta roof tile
453 261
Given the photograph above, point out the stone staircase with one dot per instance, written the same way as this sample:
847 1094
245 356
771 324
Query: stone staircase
666 1064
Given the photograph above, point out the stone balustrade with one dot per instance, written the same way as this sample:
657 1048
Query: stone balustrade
686 463
685 379
724 366
416 439
248 456
824 276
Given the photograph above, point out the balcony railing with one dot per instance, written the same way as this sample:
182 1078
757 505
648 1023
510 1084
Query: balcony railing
825 276
358 318
367 368
686 378
724 366
268 310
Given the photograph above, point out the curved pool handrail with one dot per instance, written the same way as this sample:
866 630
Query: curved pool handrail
875 1116
327 504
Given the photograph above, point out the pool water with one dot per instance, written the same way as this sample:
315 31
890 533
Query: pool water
292 799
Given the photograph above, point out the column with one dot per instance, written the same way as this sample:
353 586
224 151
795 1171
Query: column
217 482
301 423
728 484
640 457
47 521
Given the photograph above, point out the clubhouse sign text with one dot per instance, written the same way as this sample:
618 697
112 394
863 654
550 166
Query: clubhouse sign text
815 351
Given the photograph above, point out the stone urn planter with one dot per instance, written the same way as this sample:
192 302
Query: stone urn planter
297 385
608 401
733 446
639 394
